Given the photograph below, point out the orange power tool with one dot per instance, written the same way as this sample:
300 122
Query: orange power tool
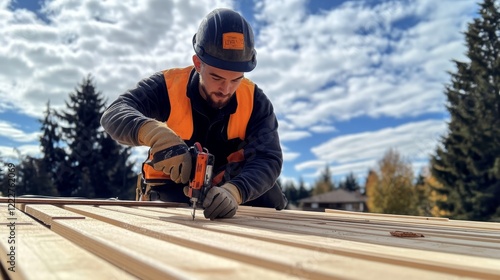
201 175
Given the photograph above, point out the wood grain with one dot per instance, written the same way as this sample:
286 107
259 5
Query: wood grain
42 254
161 241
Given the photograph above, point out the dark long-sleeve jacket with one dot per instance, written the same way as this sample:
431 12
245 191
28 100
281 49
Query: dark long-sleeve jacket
261 147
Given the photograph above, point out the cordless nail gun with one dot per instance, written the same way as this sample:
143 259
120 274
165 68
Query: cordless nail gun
200 180
201 175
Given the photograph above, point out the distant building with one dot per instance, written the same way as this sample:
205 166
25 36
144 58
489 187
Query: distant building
337 199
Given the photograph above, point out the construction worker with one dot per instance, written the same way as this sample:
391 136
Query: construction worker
210 102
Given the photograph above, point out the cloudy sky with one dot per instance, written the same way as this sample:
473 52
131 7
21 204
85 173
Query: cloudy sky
348 79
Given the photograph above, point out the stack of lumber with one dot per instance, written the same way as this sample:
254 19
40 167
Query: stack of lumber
113 240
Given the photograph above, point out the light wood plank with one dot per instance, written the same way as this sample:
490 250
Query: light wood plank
484 239
421 220
451 263
293 215
385 216
42 254
200 240
47 213
73 201
150 258
397 262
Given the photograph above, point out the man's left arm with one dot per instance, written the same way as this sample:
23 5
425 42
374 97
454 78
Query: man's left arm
262 151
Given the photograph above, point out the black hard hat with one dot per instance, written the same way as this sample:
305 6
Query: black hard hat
225 40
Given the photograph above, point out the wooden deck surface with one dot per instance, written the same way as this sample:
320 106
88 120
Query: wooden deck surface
161 241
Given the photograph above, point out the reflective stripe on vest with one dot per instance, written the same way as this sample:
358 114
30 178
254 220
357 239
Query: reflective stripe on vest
181 116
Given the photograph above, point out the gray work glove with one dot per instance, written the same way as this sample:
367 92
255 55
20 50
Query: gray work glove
159 136
221 202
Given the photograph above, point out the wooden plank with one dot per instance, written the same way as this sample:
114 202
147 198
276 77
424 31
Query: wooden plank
202 241
381 268
385 216
369 234
47 213
294 215
70 201
39 253
454 240
421 220
396 262
465 265
150 258
475 224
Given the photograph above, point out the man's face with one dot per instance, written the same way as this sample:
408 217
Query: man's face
217 86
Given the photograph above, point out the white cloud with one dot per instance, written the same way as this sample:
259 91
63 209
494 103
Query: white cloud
359 152
12 132
12 154
288 155
299 55
119 42
355 61
322 128
318 69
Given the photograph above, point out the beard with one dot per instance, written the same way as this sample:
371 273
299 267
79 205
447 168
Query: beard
215 99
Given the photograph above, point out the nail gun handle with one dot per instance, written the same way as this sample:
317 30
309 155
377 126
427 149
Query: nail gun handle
167 153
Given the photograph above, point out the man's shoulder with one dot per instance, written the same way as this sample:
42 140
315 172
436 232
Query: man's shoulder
178 70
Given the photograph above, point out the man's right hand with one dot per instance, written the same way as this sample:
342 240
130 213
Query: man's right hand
159 137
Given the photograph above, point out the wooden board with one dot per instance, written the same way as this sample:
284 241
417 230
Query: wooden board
471 266
158 242
20 202
39 253
47 213
312 263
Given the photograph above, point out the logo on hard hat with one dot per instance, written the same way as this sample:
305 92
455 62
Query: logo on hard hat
233 41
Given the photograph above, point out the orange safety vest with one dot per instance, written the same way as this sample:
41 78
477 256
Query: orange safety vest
180 119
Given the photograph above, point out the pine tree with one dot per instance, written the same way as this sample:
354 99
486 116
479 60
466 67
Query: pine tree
303 192
325 183
350 183
467 163
291 193
97 166
54 156
4 187
120 176
423 192
33 180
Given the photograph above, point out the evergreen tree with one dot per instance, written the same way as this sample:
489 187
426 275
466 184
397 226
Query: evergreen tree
423 192
325 183
467 164
120 176
350 183
97 166
303 192
291 193
32 179
54 156
29 178
4 187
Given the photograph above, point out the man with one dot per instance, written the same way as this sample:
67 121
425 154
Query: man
211 103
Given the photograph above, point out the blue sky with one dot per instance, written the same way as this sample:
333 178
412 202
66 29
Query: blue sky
348 79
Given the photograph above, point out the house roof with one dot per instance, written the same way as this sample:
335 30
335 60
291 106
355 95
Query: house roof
58 240
335 196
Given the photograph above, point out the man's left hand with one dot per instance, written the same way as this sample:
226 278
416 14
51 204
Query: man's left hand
221 202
